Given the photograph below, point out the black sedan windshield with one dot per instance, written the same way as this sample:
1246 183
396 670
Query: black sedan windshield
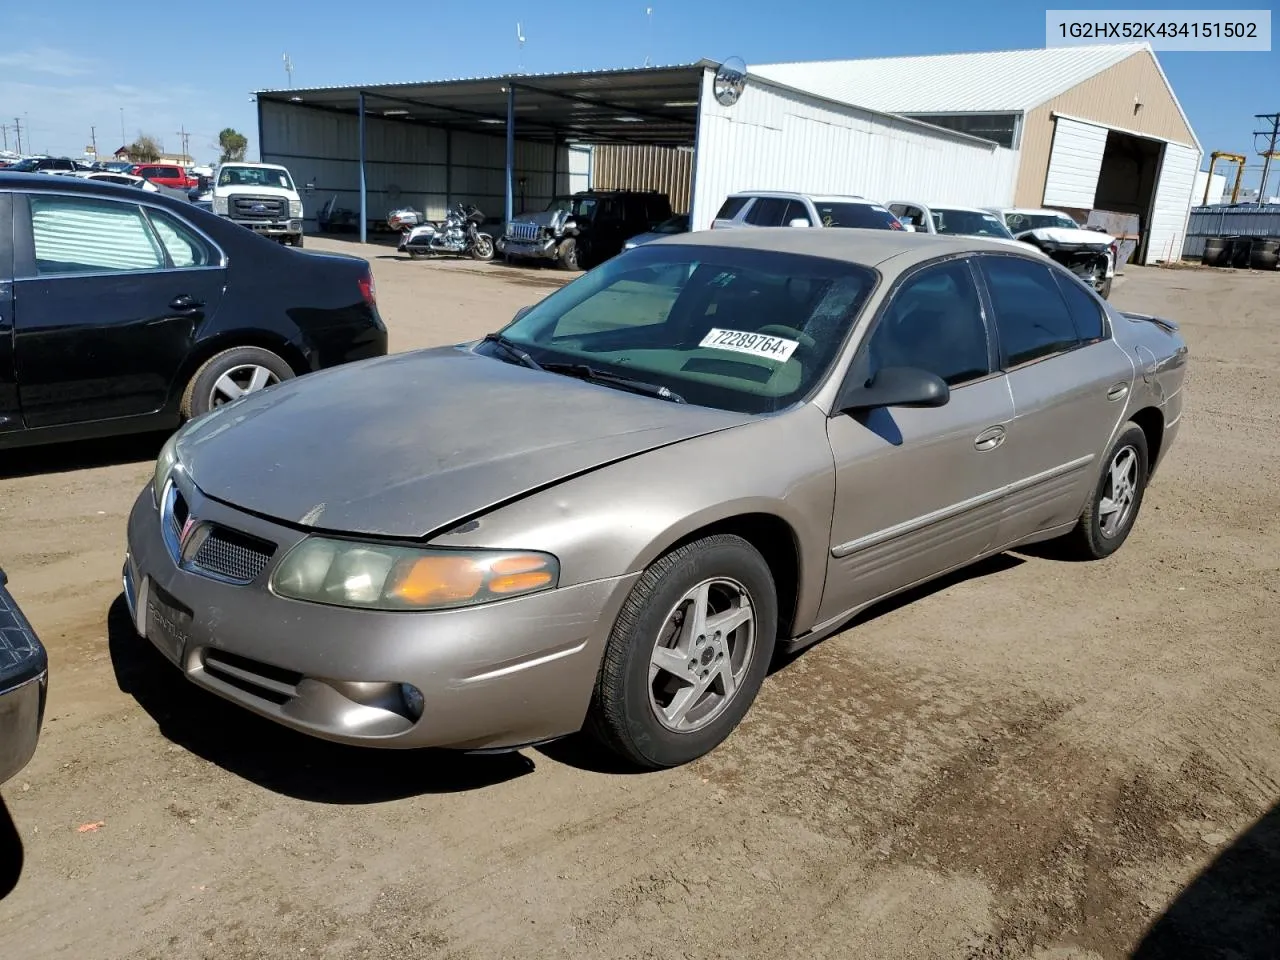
745 330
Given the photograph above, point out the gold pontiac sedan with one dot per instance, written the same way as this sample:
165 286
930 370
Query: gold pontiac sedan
612 513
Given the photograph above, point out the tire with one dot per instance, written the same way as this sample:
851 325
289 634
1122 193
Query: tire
297 241
1104 291
568 256
625 705
242 364
482 249
1090 539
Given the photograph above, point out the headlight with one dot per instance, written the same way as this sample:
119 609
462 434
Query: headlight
165 462
295 208
220 206
377 576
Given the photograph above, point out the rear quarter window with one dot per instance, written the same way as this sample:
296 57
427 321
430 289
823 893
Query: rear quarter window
731 208
1086 312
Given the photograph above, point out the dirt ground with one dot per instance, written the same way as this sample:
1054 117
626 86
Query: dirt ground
1038 759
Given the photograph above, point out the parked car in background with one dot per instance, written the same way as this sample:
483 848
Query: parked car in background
165 175
771 208
122 179
126 311
42 165
956 221
677 224
24 684
113 166
586 229
609 513
1089 254
260 197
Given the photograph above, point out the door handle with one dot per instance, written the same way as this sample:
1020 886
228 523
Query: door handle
989 439
1118 392
185 301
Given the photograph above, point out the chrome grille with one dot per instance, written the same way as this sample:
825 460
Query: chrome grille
524 231
272 208
232 555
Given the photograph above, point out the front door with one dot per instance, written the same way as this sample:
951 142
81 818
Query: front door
918 489
1069 380
110 298
10 412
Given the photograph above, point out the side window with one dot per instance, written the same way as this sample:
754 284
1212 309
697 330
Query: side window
1031 316
1086 313
767 212
933 322
184 246
731 208
80 235
796 210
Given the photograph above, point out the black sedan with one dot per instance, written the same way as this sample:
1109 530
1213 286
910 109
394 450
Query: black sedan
123 311
24 677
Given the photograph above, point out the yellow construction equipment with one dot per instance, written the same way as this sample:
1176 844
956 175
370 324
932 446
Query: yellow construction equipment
1235 158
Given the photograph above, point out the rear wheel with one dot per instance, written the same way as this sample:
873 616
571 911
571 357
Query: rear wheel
687 654
231 374
1109 515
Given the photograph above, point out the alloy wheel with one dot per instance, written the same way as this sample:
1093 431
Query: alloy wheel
239 380
1120 492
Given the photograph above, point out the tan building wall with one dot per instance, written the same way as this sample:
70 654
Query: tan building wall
637 167
1106 98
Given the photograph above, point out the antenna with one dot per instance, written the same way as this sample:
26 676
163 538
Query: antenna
520 42
648 13
288 66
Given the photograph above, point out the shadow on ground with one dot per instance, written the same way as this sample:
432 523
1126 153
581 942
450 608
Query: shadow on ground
1231 910
11 855
276 757
82 455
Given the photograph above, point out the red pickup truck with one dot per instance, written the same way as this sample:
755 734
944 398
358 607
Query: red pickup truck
165 175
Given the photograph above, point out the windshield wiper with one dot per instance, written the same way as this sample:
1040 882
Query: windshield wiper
584 372
511 350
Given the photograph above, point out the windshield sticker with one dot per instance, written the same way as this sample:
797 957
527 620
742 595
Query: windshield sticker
753 344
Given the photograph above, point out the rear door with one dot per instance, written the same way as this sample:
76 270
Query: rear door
766 212
10 413
110 297
729 211
1069 381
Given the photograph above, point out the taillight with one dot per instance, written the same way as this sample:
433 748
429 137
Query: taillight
367 290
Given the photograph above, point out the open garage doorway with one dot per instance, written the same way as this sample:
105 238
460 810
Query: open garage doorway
1126 186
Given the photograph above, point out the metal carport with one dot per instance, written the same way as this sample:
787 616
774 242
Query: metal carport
443 138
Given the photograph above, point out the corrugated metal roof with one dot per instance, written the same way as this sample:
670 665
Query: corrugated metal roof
990 82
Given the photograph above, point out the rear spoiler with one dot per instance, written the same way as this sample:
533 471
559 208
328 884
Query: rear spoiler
1170 325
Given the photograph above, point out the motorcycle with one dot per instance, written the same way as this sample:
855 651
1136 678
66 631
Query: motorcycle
458 234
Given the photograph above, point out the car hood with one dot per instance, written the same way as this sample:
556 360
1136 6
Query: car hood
409 444
543 218
1090 238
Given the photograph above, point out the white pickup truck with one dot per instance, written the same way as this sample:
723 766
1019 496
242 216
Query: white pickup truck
261 197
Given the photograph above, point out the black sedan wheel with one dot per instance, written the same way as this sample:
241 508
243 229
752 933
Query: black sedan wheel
231 374
687 654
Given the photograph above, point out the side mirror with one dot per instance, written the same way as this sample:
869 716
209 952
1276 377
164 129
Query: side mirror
897 387
799 222
521 312
909 227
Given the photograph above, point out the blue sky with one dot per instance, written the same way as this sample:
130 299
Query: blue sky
76 63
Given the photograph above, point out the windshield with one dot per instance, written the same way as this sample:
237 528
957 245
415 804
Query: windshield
254 177
751 331
580 207
969 223
855 215
1022 222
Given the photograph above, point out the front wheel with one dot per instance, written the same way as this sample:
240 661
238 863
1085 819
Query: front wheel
1104 289
1109 515
568 256
482 249
687 654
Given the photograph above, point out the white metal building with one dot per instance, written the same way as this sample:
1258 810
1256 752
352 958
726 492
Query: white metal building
511 143
1080 128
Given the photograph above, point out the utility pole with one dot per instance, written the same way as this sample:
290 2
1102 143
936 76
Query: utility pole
4 130
1274 134
186 137
124 142
17 131
93 139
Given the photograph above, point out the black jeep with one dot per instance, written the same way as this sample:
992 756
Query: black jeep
585 229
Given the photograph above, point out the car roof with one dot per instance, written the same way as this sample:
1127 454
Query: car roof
815 197
44 182
868 247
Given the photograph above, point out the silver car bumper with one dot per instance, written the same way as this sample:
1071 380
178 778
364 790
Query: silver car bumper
490 677
278 229
533 249
24 682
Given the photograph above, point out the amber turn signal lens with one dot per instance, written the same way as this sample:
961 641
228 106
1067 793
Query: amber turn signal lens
438 579
520 582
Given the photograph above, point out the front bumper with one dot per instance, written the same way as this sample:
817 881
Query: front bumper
24 684
278 228
533 249
496 676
